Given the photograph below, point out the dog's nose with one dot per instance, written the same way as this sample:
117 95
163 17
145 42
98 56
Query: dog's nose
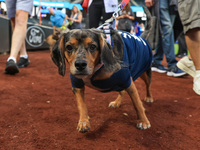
80 64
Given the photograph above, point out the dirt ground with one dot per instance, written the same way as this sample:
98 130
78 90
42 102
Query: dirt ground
38 111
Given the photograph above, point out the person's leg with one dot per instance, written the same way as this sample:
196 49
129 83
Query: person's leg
167 20
157 59
189 14
182 45
19 33
193 42
94 11
158 55
19 24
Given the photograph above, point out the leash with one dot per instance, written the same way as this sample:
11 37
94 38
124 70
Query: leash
120 7
108 25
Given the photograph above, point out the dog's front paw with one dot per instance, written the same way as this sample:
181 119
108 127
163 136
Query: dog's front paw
143 125
83 126
148 99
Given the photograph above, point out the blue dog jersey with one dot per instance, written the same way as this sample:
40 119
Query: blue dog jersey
137 58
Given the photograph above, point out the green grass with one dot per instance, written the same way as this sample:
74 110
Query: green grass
176 48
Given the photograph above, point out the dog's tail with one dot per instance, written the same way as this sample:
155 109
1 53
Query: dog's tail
149 24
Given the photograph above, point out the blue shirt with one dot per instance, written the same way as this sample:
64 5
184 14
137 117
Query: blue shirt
137 58
58 18
138 33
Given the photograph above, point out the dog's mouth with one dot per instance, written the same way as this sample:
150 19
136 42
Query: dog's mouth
81 76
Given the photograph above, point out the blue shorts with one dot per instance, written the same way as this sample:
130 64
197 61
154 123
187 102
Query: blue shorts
13 5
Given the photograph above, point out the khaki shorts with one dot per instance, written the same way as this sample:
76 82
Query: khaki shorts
13 5
189 11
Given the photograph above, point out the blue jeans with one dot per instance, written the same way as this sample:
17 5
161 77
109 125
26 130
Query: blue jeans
166 40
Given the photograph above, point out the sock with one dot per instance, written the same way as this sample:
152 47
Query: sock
24 56
13 58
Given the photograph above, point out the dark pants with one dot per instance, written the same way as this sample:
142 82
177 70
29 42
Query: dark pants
180 36
182 44
96 10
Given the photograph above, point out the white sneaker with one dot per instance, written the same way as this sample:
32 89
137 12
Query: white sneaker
196 84
186 65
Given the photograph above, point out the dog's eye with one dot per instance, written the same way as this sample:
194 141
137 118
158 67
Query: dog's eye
92 47
69 48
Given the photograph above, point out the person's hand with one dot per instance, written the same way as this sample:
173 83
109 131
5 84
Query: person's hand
127 16
149 3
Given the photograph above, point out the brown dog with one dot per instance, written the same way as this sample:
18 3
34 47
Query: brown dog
51 39
95 63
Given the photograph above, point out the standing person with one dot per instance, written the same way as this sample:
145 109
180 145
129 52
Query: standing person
58 18
100 8
76 18
165 46
125 19
18 11
189 13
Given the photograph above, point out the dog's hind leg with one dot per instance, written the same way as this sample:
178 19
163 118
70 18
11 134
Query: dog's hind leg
84 123
146 77
142 121
117 102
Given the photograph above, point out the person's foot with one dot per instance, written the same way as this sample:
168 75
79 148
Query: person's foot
158 68
23 62
181 55
196 84
11 67
174 71
186 65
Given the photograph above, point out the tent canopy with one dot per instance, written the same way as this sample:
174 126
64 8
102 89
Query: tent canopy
137 9
56 4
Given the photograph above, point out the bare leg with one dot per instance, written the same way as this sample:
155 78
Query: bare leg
19 32
193 42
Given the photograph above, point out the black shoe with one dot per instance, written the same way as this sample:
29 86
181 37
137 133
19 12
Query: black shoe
181 55
23 62
11 67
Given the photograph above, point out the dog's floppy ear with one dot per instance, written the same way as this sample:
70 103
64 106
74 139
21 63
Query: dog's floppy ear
110 61
57 55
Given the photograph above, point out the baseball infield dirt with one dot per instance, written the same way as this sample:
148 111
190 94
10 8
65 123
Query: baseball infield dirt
38 111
